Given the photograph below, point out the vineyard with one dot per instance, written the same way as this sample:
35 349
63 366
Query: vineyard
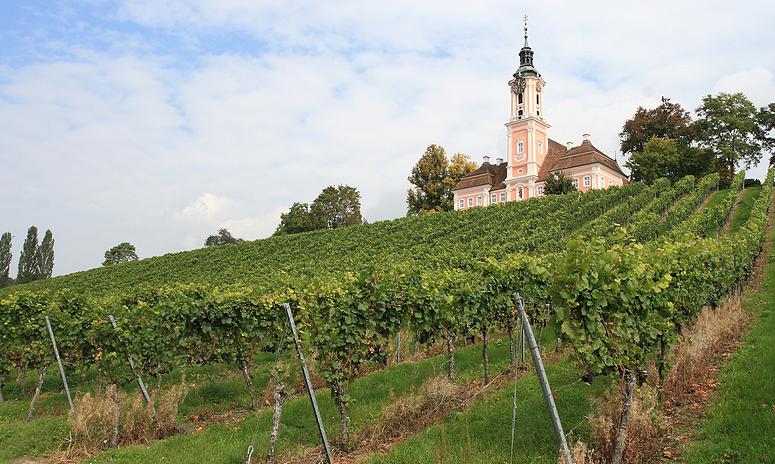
617 274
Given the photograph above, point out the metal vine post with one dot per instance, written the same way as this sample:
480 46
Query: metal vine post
59 362
542 378
308 383
134 371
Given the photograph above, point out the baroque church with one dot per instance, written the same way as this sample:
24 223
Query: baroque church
531 156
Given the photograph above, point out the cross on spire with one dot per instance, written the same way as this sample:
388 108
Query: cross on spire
525 19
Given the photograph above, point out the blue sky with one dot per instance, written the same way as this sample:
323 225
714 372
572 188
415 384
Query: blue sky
156 122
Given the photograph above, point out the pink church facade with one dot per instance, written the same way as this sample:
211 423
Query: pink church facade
531 156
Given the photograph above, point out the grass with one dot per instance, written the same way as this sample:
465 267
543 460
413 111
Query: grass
740 427
218 388
482 434
744 208
228 443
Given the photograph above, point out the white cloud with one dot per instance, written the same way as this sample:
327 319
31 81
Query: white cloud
207 208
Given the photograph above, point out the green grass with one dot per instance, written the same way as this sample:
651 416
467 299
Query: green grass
740 427
714 199
482 434
370 394
744 206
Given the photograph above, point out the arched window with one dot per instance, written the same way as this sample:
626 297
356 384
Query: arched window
519 99
519 193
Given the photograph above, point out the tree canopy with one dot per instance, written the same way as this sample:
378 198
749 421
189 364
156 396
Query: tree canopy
27 265
334 207
433 178
665 157
5 258
558 183
668 120
337 207
121 253
223 237
731 126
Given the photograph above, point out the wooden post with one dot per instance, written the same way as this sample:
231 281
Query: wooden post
59 362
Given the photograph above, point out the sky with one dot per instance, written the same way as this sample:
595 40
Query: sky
159 121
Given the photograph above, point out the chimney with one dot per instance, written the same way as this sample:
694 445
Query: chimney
487 159
498 160
569 145
585 137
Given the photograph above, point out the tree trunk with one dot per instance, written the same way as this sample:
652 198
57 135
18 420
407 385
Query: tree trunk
41 376
249 381
21 381
621 435
450 358
2 384
512 344
277 396
485 357
338 390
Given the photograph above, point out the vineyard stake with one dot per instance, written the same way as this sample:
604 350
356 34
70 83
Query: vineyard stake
59 362
398 347
134 372
543 380
308 383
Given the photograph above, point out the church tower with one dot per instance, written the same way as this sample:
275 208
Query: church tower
526 129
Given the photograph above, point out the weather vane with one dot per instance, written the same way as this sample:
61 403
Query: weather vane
525 26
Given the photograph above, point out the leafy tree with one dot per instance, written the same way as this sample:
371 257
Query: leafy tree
298 219
5 258
44 257
121 253
664 157
731 127
337 207
223 237
433 178
668 120
28 257
558 183
766 119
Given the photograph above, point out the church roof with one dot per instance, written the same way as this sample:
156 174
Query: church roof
584 154
486 174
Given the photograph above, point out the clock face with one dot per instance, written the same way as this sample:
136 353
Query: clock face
517 85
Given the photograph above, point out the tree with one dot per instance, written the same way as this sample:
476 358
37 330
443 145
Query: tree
223 237
337 207
28 257
298 219
668 120
558 183
766 119
730 126
433 178
44 257
664 157
5 258
121 253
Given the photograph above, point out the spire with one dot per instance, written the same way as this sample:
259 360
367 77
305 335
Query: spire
526 46
526 58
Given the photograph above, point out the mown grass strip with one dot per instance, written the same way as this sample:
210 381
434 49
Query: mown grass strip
744 205
482 434
740 427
